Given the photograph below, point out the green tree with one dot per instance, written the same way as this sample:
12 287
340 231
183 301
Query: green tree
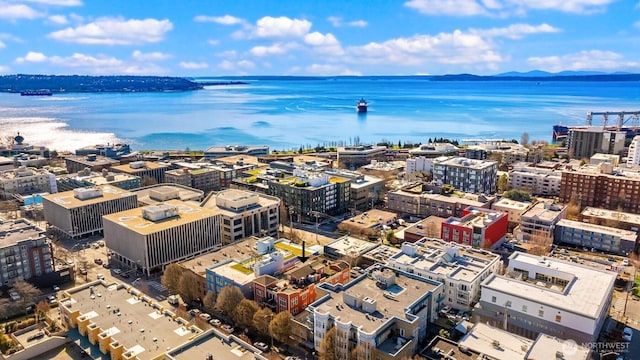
280 326
503 183
517 195
261 320
228 299
171 278
327 349
243 314
447 189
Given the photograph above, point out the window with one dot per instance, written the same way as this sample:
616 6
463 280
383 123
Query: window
508 304
493 299
540 312
558 318
524 308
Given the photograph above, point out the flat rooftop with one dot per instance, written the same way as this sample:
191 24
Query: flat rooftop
351 246
612 215
236 196
214 344
371 219
239 250
134 221
148 165
407 290
12 232
467 163
240 159
546 347
543 212
132 322
184 193
509 346
623 234
382 253
67 199
585 295
511 204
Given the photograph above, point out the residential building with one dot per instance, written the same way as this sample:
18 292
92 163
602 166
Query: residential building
353 157
79 212
467 175
348 248
514 210
459 268
423 204
598 237
547 295
245 214
365 190
584 142
92 162
87 178
535 180
143 169
611 159
386 313
419 164
25 252
633 157
205 178
382 169
26 181
374 219
616 219
112 151
478 227
432 150
475 152
152 237
430 227
230 150
539 221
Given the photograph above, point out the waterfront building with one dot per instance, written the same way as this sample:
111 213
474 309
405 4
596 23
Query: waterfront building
92 162
26 181
230 150
143 169
432 150
79 212
467 175
598 237
112 151
245 214
18 146
538 221
353 157
547 295
385 313
25 252
424 204
88 178
584 142
152 237
478 227
461 269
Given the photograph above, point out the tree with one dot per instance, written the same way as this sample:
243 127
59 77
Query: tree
27 292
171 278
189 286
447 189
261 320
524 139
42 308
228 299
280 326
244 312
503 183
209 301
327 349
361 352
517 195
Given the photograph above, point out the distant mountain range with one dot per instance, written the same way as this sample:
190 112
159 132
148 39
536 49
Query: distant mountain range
538 75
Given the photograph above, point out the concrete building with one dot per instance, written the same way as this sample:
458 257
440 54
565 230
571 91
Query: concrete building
478 227
112 151
348 248
432 150
419 164
365 190
386 313
20 147
26 181
6 163
87 178
423 204
230 150
430 227
79 212
245 214
547 295
539 220
25 252
143 169
536 180
159 193
459 268
633 157
591 236
584 142
206 178
92 162
467 175
353 157
152 237
617 219
514 210
611 159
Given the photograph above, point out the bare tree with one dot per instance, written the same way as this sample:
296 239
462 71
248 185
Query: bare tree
328 346
261 320
244 312
42 308
209 301
189 287
280 326
171 278
27 292
228 299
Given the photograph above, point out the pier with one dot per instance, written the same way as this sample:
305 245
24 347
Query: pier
624 117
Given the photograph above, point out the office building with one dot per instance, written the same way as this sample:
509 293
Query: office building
230 150
25 252
112 151
152 237
79 212
143 169
467 175
598 237
478 227
353 157
92 162
547 295
87 178
26 181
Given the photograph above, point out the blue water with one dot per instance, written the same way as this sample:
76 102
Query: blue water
289 113
395 289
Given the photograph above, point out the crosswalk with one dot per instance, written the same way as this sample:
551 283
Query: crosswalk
156 285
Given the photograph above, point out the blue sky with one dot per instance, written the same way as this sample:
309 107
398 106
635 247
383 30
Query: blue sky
317 38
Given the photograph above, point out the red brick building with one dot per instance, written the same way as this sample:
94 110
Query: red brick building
610 191
478 227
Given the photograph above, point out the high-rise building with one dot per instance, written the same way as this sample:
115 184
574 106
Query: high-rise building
634 151
584 142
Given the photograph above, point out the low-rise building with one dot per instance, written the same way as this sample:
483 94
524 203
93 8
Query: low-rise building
26 181
432 150
348 247
353 157
79 212
539 220
87 178
514 209
423 204
386 314
25 252
230 150
113 151
612 218
542 181
430 227
592 236
461 269
143 169
478 227
92 162
159 193
547 295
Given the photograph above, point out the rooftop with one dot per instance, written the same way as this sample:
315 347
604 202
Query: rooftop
14 231
612 215
239 250
547 347
350 246
212 343
231 202
511 204
372 219
155 194
138 166
467 163
543 211
68 199
600 229
240 159
496 343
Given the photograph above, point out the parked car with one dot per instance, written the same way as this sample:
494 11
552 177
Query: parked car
117 271
14 296
291 357
625 262
56 288
83 271
205 316
627 334
215 322
194 312
106 265
262 346
445 310
97 261
227 328
100 277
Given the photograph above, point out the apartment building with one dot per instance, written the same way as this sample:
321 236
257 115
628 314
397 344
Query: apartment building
584 142
539 220
88 178
478 227
143 169
92 162
514 210
535 180
633 157
423 204
365 190
79 212
591 236
353 157
152 237
467 175
612 218
25 252
547 295
461 269
245 214
432 150
386 313
26 181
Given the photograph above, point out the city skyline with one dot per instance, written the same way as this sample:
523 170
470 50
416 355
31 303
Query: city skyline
250 37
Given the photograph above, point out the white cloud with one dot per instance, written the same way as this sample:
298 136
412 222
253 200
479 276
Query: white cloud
115 31
503 7
229 54
357 23
281 27
447 7
213 42
17 11
190 65
2 45
58 19
324 43
516 31
4 69
100 64
226 65
327 70
152 56
571 6
337 22
222 20
275 49
584 60
32 57
246 64
57 2
637 24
